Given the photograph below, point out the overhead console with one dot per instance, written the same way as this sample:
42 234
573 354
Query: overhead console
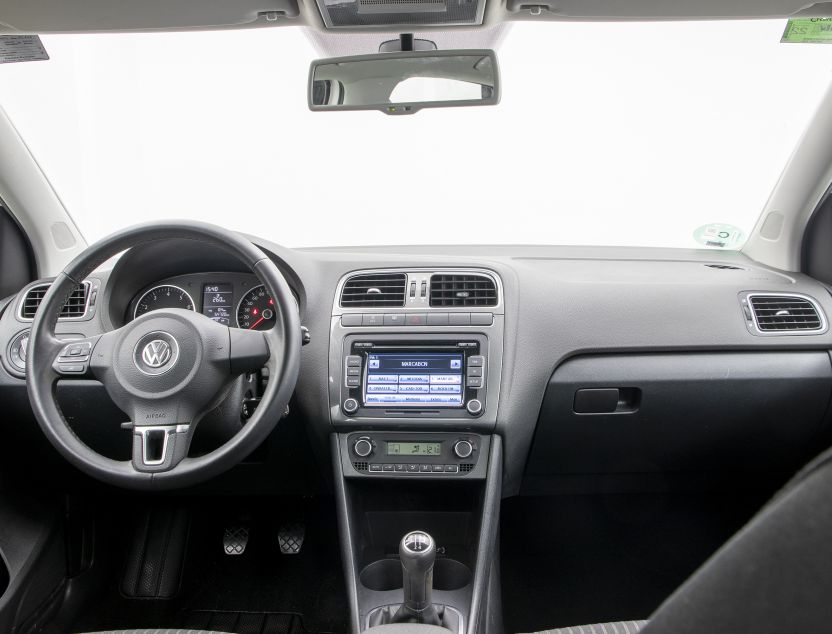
417 345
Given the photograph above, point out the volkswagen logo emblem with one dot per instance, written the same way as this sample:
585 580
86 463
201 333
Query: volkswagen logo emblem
156 353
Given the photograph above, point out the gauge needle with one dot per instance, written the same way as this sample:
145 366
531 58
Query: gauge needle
256 323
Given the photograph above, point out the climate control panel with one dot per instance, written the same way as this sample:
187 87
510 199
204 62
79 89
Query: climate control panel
419 454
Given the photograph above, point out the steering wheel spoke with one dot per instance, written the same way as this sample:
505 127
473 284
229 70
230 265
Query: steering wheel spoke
159 448
249 351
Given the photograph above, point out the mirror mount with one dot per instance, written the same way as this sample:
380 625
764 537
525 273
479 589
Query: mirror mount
406 42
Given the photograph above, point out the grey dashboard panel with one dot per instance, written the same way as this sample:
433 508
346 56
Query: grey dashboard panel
724 412
558 303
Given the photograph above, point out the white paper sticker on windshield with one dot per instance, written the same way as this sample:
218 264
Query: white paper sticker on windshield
21 48
718 235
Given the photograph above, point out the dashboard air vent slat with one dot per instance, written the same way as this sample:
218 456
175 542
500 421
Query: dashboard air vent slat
776 313
374 290
75 306
448 290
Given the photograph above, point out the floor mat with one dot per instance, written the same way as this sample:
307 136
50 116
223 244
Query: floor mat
573 560
260 591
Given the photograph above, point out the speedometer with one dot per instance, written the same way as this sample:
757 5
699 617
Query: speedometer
256 310
164 296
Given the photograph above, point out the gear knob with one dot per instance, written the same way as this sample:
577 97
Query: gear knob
417 551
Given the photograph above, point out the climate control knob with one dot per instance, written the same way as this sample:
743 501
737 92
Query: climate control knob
463 449
362 447
350 406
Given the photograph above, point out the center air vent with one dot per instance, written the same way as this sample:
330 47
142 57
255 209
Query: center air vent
374 290
785 313
75 307
448 290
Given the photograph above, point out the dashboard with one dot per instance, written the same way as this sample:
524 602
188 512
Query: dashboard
579 364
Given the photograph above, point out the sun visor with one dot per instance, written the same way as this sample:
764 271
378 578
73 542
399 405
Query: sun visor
405 13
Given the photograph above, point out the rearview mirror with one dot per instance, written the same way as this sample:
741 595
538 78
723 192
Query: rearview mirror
405 82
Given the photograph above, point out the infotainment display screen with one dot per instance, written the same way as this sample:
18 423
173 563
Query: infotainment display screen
412 379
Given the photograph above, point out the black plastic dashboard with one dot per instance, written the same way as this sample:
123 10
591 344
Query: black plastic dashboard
556 304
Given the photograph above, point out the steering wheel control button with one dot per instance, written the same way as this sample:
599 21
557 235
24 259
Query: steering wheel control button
350 406
463 449
156 353
474 407
71 368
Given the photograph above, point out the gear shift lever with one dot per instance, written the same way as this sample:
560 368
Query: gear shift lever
417 551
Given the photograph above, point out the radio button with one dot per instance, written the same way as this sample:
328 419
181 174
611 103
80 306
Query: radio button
474 381
353 371
474 407
400 467
474 371
438 468
412 468
375 468
387 467
476 361
351 407
451 468
354 361
353 381
425 468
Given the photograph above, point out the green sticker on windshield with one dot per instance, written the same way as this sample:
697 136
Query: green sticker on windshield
718 235
808 31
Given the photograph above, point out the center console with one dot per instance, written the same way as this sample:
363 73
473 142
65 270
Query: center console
414 383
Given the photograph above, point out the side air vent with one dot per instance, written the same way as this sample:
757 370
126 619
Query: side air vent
374 290
785 313
448 290
75 307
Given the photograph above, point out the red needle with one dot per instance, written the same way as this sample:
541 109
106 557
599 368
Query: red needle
256 323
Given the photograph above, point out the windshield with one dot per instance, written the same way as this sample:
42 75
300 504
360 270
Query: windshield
607 134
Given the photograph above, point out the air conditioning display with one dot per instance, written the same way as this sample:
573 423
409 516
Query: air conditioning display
414 379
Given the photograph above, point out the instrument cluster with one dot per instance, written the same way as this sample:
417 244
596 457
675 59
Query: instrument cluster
232 299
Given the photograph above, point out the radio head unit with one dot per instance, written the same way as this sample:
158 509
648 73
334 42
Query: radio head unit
388 377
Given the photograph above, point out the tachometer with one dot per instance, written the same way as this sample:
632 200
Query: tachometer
164 296
256 310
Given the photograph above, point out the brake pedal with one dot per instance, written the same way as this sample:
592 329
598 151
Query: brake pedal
235 540
290 537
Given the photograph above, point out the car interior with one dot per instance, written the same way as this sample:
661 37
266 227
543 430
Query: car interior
208 429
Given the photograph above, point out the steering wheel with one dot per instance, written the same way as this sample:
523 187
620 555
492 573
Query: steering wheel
166 369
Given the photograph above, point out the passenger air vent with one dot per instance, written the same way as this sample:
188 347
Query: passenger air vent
456 289
374 290
782 313
75 307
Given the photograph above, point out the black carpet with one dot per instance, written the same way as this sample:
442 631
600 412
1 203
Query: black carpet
261 591
574 560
